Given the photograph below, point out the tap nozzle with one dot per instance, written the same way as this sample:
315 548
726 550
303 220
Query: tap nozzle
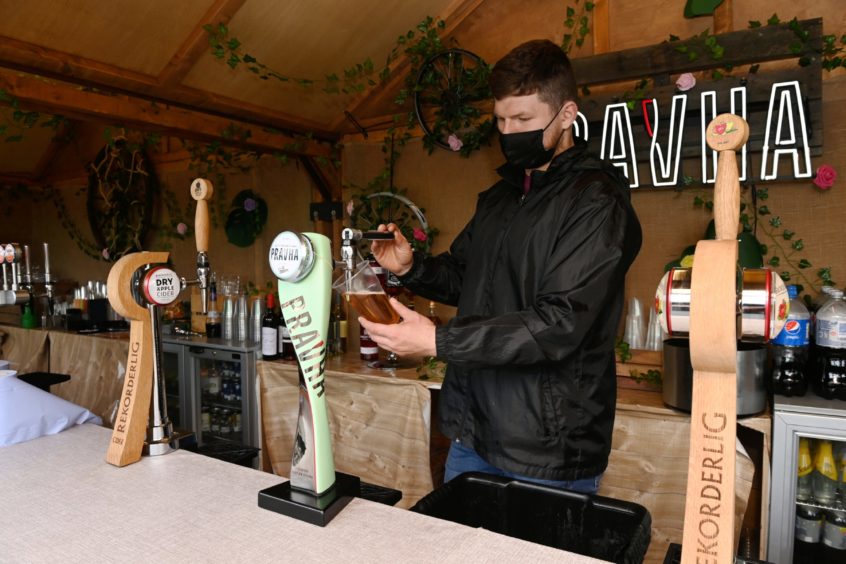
203 273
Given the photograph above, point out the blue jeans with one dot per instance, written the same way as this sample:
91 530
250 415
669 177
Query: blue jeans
463 459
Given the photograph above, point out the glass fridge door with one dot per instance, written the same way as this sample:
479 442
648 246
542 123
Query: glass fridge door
808 493
176 393
223 408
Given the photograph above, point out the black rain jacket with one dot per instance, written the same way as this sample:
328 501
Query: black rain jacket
539 285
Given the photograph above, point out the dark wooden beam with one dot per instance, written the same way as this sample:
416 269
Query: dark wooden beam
59 140
197 42
65 99
768 43
17 178
35 59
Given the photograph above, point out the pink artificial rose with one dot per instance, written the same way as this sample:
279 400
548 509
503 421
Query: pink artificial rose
454 142
105 253
182 229
685 82
420 235
825 177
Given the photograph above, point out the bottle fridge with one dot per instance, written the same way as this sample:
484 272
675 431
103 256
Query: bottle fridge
210 385
808 493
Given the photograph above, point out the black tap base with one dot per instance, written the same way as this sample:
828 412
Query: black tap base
307 506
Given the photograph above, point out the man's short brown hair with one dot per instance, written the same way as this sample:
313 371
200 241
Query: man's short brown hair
538 66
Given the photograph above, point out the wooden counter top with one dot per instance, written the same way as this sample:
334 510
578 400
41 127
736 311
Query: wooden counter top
351 363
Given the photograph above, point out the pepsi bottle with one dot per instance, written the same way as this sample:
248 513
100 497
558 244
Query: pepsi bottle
830 370
790 350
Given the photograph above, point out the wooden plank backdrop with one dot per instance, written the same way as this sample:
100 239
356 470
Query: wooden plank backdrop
25 349
380 426
96 365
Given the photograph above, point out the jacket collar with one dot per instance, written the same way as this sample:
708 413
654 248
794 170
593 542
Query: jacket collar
560 164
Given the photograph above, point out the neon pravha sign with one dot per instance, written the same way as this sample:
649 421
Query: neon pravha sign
784 147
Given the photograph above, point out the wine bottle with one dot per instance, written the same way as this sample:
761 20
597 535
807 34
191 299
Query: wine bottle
286 345
269 332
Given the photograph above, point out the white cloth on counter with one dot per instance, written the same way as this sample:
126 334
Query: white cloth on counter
27 412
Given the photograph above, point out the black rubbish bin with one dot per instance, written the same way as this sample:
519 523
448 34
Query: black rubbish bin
591 525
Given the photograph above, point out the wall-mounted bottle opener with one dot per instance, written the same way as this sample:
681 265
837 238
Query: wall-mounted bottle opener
138 285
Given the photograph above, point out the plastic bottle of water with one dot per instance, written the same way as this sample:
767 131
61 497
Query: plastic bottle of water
830 355
790 350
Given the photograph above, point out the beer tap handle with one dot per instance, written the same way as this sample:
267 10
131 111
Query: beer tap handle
5 277
202 190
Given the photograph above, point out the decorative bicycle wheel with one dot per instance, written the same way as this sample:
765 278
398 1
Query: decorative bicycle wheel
452 101
120 199
389 207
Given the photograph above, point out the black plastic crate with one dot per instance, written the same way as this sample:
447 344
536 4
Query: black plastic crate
590 525
228 452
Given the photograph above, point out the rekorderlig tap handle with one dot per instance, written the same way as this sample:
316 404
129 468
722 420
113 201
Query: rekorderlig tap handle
201 191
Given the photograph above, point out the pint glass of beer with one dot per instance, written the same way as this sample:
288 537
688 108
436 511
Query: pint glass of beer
366 295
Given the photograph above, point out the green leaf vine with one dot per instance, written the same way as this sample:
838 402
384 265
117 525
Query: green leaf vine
577 25
783 251
351 80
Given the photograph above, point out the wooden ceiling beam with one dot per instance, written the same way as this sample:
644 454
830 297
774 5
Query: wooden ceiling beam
197 42
452 16
70 101
17 178
59 140
35 59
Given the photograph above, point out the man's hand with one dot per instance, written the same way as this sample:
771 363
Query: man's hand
414 336
394 255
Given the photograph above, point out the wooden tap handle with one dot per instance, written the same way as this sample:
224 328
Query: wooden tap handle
709 506
130 427
202 190
726 134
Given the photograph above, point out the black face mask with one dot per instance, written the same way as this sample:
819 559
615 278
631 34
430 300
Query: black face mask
525 149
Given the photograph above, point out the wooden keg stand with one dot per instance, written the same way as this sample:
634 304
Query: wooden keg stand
130 426
714 329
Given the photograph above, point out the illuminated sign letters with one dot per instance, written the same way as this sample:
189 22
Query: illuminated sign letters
785 135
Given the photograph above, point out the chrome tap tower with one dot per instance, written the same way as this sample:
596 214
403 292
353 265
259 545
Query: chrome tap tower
20 287
138 286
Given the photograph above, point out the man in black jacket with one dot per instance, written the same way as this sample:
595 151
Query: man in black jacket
537 275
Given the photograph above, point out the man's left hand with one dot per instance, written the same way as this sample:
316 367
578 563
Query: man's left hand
413 336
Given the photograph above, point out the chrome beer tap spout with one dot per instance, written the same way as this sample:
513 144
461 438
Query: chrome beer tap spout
349 237
48 280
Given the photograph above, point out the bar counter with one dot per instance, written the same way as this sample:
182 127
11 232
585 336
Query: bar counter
381 426
61 502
